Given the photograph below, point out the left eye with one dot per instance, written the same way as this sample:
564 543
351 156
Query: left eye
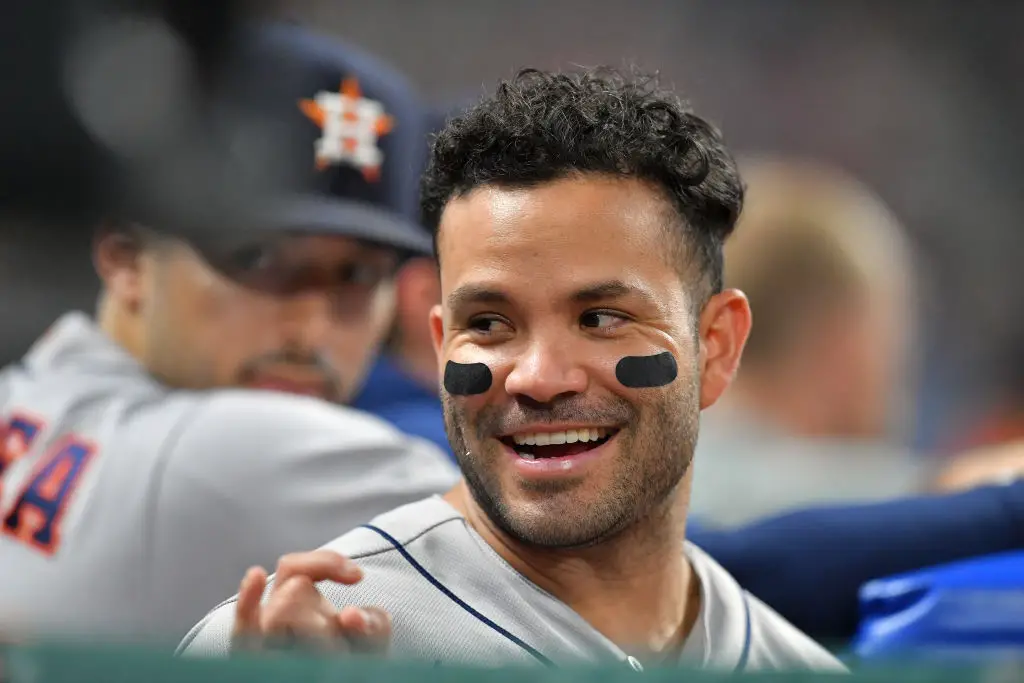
601 319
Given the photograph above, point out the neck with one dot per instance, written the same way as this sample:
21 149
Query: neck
637 588
114 323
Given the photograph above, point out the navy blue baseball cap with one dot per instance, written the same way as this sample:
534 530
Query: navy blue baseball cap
348 132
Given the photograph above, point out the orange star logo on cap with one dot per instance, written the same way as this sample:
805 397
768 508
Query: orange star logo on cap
351 127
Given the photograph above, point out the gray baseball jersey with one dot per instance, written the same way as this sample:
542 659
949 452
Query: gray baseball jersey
130 508
453 599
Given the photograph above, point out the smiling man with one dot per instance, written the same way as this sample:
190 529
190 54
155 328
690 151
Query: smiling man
579 227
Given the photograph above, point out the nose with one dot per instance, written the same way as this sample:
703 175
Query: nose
546 371
309 317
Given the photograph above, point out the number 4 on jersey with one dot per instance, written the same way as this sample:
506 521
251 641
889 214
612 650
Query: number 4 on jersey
35 516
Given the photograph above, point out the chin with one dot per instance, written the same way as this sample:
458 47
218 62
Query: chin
563 519
544 534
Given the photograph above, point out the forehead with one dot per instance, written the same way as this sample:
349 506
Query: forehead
569 230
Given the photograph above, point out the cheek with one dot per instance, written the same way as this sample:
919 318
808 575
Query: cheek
471 371
238 320
645 372
352 347
354 343
188 303
232 323
467 379
209 301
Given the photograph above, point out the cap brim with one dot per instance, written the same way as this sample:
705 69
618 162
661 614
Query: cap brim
350 219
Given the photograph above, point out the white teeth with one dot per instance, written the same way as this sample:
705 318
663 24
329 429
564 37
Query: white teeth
528 456
569 436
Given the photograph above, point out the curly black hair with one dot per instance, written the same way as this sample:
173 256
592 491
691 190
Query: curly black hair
541 126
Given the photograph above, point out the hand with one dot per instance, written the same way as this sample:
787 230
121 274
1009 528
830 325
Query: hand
298 615
1001 463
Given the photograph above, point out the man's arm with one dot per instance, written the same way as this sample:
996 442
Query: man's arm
257 475
810 564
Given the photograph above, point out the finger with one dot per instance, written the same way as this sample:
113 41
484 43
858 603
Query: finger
367 629
318 565
298 616
246 633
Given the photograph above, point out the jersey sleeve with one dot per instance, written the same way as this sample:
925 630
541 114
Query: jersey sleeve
254 476
211 637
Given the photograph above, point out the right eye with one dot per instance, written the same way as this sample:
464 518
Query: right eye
486 325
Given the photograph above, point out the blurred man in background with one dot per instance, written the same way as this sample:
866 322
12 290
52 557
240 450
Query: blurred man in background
141 471
829 275
402 387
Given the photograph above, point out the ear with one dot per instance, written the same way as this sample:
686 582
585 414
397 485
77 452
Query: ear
418 288
437 331
117 257
419 276
724 328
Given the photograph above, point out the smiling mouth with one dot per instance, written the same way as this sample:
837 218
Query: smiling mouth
543 445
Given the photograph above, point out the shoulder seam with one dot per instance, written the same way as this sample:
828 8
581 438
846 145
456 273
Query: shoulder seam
422 571
390 547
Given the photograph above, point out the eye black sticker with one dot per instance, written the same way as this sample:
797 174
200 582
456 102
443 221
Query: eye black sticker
642 372
466 379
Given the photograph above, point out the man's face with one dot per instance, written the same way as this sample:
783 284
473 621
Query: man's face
301 314
550 287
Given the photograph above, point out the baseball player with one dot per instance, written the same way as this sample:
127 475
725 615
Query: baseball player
579 227
150 454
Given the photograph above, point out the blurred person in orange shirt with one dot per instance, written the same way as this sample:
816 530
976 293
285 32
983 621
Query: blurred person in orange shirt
810 418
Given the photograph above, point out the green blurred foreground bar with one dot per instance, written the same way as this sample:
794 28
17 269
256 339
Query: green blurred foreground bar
79 664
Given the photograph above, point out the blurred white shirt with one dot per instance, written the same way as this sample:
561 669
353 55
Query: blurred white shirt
746 469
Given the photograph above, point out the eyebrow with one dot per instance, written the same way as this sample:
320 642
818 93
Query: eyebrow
475 294
611 289
599 291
